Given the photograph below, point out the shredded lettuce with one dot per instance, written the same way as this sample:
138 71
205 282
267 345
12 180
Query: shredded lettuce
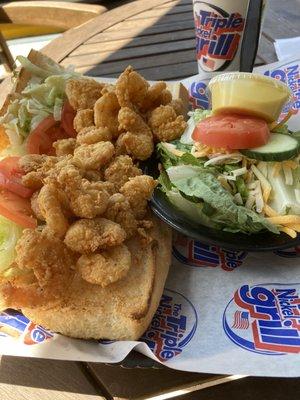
44 95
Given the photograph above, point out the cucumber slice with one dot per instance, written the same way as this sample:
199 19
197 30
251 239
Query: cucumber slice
279 148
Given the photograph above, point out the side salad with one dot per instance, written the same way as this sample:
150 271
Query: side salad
234 172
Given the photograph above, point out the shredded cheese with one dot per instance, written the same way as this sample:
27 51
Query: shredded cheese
275 125
173 149
288 175
224 183
285 219
264 183
288 231
276 169
269 211
295 227
290 164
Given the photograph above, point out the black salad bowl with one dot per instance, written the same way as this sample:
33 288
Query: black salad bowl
259 242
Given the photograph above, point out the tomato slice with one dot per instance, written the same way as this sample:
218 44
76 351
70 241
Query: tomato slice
232 131
40 140
11 177
67 118
16 209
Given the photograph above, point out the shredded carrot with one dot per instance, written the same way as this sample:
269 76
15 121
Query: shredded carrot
290 164
276 169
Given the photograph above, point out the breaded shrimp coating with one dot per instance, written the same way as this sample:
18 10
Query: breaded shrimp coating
131 89
83 119
120 170
157 94
137 191
119 210
93 176
93 156
106 267
44 269
64 147
137 141
93 135
106 111
35 207
88 235
82 93
51 207
36 167
86 199
165 124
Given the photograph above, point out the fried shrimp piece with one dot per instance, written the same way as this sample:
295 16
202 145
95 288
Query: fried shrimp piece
157 94
131 89
106 111
93 135
119 210
82 93
43 270
93 156
83 119
64 147
165 124
93 176
86 199
137 141
106 267
87 235
36 167
35 207
51 207
120 170
138 190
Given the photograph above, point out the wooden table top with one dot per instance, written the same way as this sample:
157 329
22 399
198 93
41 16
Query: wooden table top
157 38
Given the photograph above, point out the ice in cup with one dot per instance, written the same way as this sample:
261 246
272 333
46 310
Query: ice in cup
250 94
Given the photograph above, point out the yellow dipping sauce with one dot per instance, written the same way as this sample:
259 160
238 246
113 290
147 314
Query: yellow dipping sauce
250 94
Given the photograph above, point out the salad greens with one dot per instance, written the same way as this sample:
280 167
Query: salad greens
228 191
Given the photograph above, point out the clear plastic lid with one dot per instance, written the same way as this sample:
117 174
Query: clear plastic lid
249 76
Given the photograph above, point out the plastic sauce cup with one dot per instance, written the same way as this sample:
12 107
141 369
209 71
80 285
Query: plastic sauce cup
249 94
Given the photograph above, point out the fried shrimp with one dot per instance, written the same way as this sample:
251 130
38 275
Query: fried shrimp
165 124
64 147
35 207
86 199
120 170
157 95
131 89
83 119
86 236
137 141
93 156
119 210
93 135
82 93
106 267
106 111
137 191
43 270
50 206
36 168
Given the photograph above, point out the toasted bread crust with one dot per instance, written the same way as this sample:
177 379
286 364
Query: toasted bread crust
122 310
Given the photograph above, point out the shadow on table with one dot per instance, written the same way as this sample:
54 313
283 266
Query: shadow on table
159 43
54 375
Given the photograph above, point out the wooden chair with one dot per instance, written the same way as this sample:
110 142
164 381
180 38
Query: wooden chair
34 18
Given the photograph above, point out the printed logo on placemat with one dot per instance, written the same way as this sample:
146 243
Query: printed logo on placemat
172 327
289 253
218 35
198 96
265 318
290 76
194 253
16 325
